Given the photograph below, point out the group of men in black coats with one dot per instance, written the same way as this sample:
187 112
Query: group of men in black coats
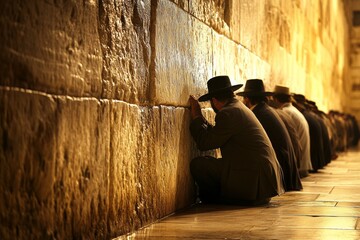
268 142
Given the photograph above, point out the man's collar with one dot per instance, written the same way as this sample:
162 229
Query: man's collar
287 104
253 106
230 101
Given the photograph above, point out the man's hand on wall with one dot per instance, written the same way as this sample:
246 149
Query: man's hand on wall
194 107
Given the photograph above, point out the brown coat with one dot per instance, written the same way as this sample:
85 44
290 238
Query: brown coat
251 170
280 140
290 126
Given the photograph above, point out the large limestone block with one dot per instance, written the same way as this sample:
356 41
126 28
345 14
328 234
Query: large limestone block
124 173
73 167
296 78
286 70
150 176
232 17
183 56
215 13
276 28
54 166
236 61
27 164
82 165
252 21
297 49
174 150
226 58
125 35
151 149
51 46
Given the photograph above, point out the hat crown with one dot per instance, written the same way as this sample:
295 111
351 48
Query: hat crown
281 90
299 98
254 85
254 88
218 83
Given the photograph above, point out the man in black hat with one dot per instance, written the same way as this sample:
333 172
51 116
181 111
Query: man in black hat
248 172
325 129
282 97
255 98
316 135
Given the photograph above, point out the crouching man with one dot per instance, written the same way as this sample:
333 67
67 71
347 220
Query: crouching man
248 172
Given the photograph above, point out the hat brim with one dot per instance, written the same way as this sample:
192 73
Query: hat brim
284 94
255 94
208 96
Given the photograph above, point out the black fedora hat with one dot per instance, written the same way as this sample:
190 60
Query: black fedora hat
299 98
254 88
218 85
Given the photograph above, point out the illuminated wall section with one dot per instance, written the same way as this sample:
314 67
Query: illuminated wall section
94 99
352 86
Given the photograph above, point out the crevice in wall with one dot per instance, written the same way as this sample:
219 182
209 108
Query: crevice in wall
227 11
75 98
102 19
152 67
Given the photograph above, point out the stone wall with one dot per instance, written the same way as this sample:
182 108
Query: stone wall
94 99
352 86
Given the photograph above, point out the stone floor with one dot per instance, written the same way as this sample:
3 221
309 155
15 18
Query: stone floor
327 208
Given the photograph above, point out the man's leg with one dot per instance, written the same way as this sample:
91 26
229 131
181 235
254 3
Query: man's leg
207 173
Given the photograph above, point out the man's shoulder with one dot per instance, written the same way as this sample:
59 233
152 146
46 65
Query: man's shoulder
290 109
232 111
234 108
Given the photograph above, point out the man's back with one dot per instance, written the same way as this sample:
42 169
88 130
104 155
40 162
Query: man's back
280 139
291 127
304 136
316 141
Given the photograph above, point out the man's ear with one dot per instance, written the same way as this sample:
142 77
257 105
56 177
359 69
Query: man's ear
216 101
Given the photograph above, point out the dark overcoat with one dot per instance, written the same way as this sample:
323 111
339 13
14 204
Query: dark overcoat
316 141
250 169
325 138
294 136
281 142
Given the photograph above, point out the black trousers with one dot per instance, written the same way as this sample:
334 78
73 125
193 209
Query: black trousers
207 174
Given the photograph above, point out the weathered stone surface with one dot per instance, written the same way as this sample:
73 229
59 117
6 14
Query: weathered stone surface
98 167
234 20
83 160
225 64
184 4
183 62
60 165
239 66
124 28
252 21
27 160
124 166
173 156
91 49
352 88
214 13
252 66
51 46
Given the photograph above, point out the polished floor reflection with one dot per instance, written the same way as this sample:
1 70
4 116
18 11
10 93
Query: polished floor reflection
327 208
